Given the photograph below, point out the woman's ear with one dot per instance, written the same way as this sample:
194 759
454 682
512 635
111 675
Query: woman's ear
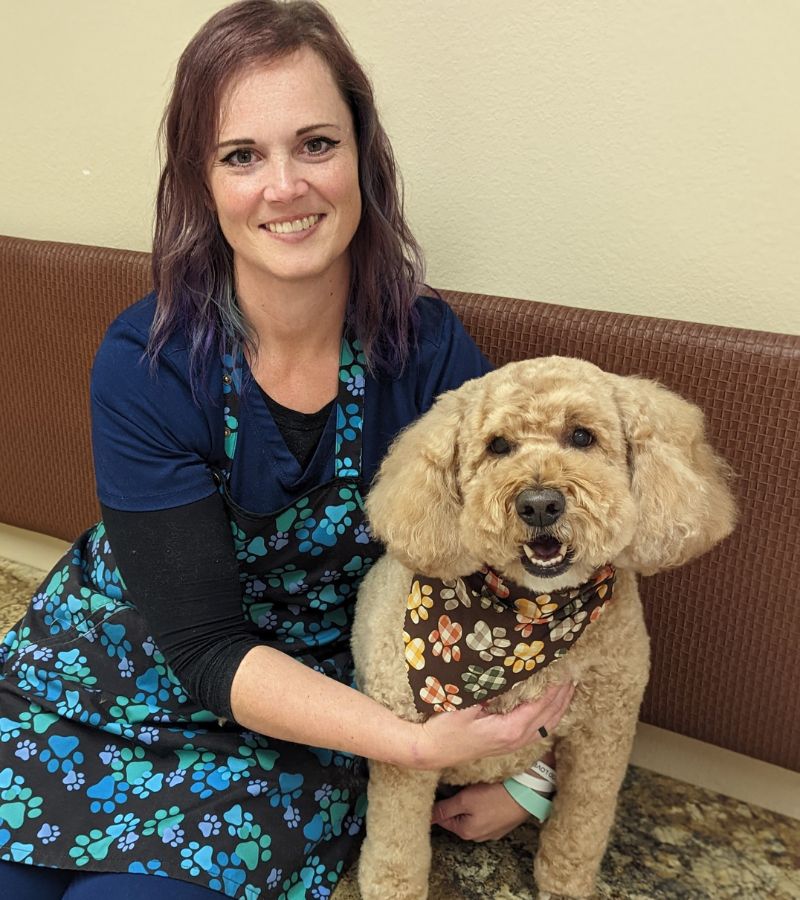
414 506
679 483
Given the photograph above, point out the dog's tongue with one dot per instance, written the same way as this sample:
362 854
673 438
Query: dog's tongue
545 547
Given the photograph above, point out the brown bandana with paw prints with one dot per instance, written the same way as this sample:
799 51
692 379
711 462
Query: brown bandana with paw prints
473 638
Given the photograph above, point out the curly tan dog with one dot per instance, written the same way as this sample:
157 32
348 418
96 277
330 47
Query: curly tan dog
545 471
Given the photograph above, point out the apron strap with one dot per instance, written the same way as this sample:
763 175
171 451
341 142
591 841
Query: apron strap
231 389
350 410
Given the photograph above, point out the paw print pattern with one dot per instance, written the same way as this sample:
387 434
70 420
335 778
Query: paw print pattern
363 535
167 789
48 834
488 642
278 540
62 753
445 639
74 780
26 749
165 821
444 672
74 667
210 826
419 602
481 681
18 803
96 844
443 697
355 385
172 836
151 867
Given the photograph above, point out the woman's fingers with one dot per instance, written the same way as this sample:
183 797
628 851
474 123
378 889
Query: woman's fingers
448 739
546 709
528 718
556 709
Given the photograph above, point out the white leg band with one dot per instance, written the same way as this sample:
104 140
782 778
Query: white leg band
544 771
540 785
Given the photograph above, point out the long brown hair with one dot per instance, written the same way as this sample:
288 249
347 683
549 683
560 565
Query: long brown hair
193 263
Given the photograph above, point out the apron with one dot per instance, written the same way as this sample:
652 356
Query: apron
107 765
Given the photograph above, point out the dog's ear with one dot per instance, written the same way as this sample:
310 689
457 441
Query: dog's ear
678 481
415 503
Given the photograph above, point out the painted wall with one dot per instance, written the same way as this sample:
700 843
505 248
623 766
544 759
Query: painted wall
637 156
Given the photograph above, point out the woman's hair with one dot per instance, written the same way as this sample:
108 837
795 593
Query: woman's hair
192 261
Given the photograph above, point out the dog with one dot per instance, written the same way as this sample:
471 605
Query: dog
544 476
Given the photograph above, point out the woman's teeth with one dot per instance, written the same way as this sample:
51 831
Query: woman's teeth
295 225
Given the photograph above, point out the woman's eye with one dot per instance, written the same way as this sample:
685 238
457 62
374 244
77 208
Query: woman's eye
581 437
499 446
239 158
319 145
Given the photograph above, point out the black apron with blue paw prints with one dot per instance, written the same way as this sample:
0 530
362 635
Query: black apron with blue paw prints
107 765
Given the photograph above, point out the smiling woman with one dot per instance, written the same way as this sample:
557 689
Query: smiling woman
166 697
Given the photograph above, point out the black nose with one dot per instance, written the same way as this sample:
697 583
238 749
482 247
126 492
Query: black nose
541 507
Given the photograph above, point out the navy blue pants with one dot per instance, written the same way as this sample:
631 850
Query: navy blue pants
23 882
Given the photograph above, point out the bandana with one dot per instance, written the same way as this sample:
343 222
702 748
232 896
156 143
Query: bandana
473 638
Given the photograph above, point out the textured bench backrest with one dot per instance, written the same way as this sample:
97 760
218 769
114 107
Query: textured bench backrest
725 629
57 301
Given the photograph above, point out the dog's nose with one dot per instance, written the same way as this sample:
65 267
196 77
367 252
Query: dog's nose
541 507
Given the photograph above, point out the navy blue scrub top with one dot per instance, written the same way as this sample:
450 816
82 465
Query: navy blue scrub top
154 445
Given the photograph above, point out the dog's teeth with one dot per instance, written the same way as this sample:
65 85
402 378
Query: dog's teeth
545 563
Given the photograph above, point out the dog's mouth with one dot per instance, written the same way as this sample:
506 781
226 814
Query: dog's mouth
546 556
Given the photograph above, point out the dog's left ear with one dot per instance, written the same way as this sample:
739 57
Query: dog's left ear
679 483
414 505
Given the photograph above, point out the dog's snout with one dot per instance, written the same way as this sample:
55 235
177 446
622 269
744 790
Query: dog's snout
540 507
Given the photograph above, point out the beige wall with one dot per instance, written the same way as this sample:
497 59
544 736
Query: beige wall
639 155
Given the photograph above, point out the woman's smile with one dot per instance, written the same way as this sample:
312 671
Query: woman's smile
294 229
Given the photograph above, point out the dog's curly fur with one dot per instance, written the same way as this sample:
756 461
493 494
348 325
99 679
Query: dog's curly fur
649 493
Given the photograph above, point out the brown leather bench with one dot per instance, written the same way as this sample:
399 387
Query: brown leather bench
725 629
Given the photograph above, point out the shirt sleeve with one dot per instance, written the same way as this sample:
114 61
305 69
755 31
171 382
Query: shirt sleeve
180 569
448 355
152 441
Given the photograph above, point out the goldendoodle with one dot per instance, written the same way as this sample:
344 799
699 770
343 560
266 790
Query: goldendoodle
514 513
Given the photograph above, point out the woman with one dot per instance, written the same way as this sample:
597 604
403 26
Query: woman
166 696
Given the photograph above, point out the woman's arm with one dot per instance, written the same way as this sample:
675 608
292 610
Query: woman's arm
276 695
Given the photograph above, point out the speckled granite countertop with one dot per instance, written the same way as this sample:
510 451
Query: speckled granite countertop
671 840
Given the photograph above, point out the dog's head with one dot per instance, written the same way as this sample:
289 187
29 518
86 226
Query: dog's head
547 469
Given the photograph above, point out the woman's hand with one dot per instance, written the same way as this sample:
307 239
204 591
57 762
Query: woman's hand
449 739
480 812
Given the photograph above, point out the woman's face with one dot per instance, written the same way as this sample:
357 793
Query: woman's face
284 176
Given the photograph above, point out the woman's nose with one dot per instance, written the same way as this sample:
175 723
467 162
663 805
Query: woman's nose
284 181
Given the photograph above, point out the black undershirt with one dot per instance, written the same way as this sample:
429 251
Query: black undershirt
300 431
181 573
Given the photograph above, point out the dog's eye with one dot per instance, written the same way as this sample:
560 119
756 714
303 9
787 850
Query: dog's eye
581 437
499 446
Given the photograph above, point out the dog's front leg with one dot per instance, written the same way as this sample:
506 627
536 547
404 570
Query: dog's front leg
396 855
591 763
